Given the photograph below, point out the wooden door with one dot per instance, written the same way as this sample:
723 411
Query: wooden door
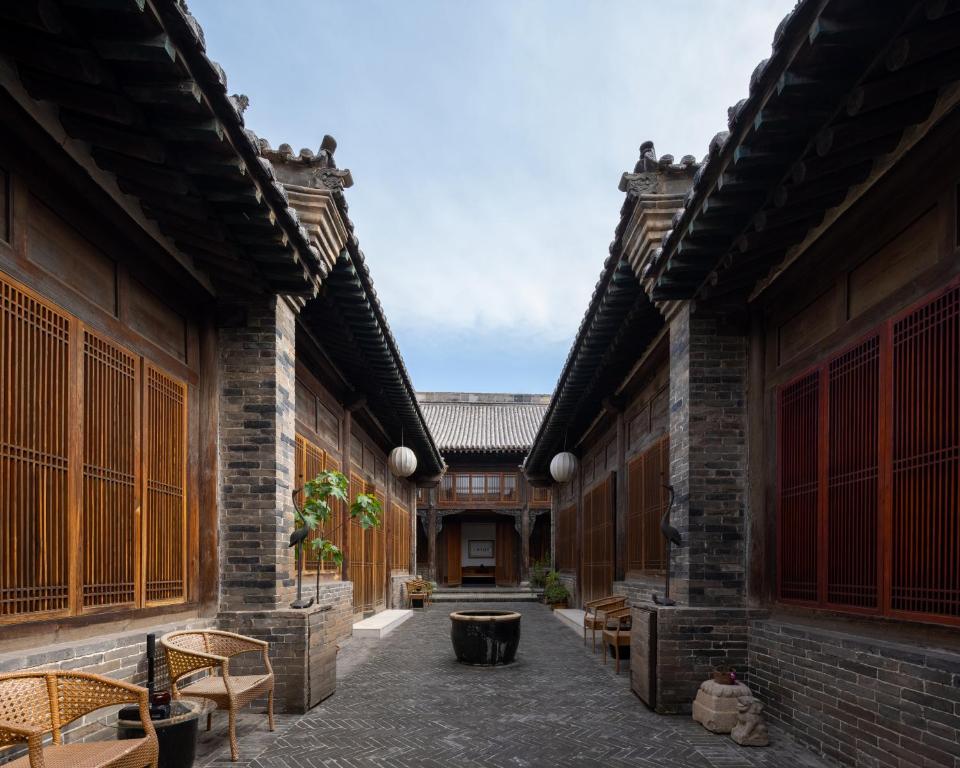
506 553
451 530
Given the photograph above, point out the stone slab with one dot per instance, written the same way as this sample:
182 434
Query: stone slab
381 624
571 617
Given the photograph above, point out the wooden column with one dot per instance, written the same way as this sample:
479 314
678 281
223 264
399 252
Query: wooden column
525 543
760 541
432 542
346 431
620 500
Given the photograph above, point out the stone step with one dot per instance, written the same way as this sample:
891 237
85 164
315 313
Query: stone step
571 617
381 624
511 596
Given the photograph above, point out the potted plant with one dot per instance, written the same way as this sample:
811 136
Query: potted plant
538 573
555 594
315 512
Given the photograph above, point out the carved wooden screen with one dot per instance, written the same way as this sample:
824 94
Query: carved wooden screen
869 472
924 519
598 541
165 503
378 546
567 538
109 523
853 471
647 500
93 499
399 537
35 342
798 442
359 565
311 460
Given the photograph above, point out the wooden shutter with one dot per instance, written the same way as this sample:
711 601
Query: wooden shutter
357 564
924 520
853 472
399 537
567 538
646 502
798 487
598 540
165 498
109 526
451 532
505 570
35 344
378 543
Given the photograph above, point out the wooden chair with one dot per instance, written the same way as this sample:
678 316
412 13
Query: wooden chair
192 651
616 633
593 617
33 704
419 590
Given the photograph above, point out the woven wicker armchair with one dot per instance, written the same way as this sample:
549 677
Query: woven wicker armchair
193 651
33 704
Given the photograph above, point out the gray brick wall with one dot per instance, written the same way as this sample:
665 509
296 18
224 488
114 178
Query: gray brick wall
708 362
302 644
691 644
639 590
121 655
257 441
858 700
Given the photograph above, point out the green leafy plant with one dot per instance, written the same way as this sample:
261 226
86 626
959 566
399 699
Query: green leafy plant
316 510
538 573
554 591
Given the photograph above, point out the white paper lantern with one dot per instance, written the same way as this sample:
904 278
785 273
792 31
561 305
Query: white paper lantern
563 467
402 461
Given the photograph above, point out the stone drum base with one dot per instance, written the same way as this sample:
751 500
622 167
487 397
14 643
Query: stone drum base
715 707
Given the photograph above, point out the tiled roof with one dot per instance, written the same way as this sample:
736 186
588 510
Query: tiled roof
487 423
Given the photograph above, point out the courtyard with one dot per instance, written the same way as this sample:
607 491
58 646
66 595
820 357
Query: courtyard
405 701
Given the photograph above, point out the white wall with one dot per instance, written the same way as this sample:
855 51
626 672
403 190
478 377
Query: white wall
485 531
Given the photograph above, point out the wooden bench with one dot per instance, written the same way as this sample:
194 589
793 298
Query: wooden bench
419 592
616 633
594 614
484 572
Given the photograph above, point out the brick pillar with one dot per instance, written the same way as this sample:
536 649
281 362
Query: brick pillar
257 440
708 368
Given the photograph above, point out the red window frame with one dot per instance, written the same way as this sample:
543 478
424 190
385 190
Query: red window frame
903 470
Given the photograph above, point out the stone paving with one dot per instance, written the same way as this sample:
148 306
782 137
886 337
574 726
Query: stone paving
405 701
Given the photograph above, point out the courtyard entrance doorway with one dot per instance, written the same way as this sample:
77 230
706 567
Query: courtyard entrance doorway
478 548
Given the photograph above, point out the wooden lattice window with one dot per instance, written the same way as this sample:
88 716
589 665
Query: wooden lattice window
92 469
647 500
399 528
869 472
367 555
567 538
598 541
35 381
311 460
540 495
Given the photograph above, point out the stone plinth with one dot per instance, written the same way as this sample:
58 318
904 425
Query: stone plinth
716 705
303 645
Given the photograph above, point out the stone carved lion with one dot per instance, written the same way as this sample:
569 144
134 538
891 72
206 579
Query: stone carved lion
750 730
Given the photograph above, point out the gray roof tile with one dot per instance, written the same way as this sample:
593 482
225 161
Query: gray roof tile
486 423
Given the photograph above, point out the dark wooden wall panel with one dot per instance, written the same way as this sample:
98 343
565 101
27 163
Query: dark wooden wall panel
154 319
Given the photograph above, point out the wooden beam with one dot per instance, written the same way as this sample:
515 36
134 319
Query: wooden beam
89 100
129 6
185 94
813 167
884 122
158 177
47 55
152 50
110 137
904 84
196 131
822 187
43 15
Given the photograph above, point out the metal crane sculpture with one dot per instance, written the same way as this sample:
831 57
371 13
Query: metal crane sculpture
297 538
672 535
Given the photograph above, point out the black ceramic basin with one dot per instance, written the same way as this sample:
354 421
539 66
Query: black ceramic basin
485 638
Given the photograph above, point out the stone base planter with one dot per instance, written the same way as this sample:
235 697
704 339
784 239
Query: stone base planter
715 707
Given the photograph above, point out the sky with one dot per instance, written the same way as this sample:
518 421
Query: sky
486 139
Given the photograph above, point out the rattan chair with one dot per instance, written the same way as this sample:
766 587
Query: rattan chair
593 616
191 651
419 590
33 704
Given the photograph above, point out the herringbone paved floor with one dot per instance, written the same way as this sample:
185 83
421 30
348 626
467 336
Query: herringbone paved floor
405 701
